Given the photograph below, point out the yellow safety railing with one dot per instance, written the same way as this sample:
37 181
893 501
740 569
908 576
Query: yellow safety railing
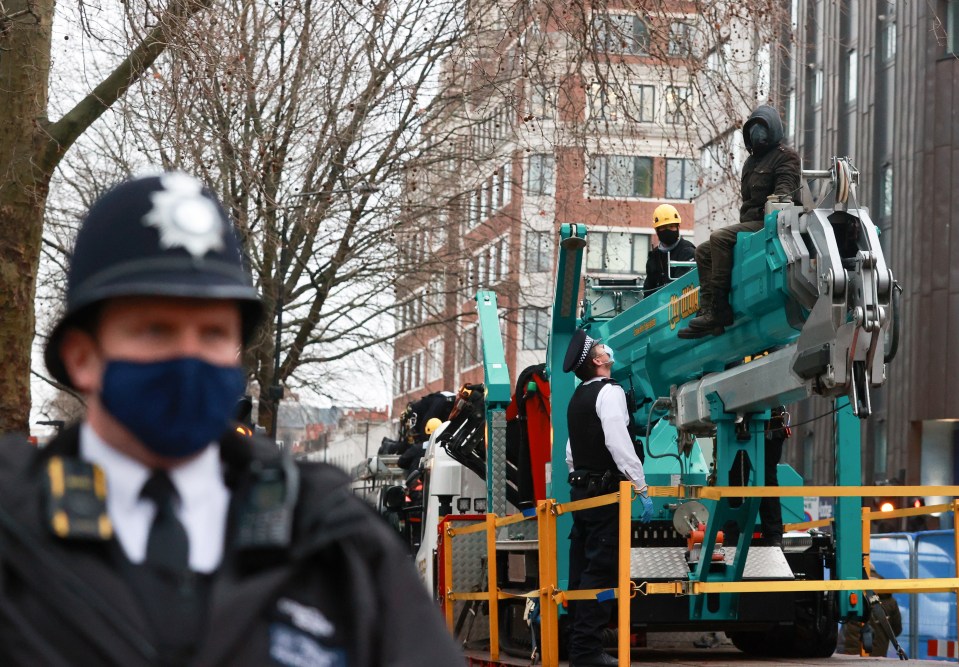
550 596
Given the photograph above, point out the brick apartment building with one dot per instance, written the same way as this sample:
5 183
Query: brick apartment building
600 142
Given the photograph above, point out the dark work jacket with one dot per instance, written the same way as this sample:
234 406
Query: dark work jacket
657 265
64 602
587 442
775 173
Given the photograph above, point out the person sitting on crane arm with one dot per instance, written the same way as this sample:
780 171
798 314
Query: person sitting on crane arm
671 247
599 454
771 169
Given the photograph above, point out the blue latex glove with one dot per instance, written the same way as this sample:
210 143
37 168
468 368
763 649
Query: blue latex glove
647 508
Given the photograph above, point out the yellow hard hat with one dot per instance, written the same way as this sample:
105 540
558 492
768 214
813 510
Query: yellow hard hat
432 425
665 214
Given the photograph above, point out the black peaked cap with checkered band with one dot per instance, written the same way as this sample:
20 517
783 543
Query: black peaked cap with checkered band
578 350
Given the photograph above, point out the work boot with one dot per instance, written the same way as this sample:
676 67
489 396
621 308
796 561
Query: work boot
712 322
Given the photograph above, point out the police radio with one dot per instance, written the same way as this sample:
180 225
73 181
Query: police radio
265 511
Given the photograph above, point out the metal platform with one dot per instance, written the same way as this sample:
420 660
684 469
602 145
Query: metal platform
669 563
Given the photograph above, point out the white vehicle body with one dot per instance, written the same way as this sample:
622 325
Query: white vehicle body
446 477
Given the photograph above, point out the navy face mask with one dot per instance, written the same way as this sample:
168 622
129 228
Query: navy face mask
175 407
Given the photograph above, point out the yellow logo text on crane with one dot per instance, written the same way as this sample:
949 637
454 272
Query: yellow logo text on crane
684 305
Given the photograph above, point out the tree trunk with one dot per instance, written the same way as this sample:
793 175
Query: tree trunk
31 147
25 43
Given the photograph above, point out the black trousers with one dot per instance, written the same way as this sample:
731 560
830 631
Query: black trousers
771 509
715 260
593 543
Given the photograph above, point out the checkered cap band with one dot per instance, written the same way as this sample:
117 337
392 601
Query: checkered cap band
587 346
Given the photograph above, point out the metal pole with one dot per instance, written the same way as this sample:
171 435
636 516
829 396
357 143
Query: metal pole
955 539
625 516
276 390
548 610
367 448
492 586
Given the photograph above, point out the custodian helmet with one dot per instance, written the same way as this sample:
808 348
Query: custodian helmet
164 235
665 214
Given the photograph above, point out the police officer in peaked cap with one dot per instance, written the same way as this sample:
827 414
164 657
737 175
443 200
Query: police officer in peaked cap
599 454
152 533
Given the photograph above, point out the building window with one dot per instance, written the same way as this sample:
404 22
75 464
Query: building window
491 264
885 193
677 104
437 295
539 174
888 31
621 176
541 101
435 362
502 265
602 102
679 39
763 72
480 277
416 381
617 252
952 27
504 185
408 374
633 102
642 103
469 348
852 75
539 252
817 87
535 329
621 33
791 115
680 178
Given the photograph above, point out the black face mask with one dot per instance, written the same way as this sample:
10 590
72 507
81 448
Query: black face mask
759 138
667 237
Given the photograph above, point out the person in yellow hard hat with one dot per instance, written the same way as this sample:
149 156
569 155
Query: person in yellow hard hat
671 247
432 425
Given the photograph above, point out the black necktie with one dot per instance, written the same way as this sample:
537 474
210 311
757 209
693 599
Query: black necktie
168 547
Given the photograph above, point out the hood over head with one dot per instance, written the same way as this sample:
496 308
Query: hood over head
770 117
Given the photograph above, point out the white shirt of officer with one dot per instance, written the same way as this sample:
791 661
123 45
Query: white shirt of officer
202 509
614 416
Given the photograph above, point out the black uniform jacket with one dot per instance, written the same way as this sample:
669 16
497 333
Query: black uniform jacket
342 593
777 171
657 265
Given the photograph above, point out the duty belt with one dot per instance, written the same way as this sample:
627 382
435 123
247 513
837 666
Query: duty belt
596 482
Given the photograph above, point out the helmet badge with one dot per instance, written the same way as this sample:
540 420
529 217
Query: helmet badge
184 217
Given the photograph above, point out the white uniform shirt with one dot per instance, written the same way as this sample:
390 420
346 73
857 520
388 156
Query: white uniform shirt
204 500
612 413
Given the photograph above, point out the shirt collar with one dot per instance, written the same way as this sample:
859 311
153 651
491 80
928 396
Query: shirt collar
126 476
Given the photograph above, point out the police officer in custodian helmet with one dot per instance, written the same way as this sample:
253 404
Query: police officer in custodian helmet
152 533
600 453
